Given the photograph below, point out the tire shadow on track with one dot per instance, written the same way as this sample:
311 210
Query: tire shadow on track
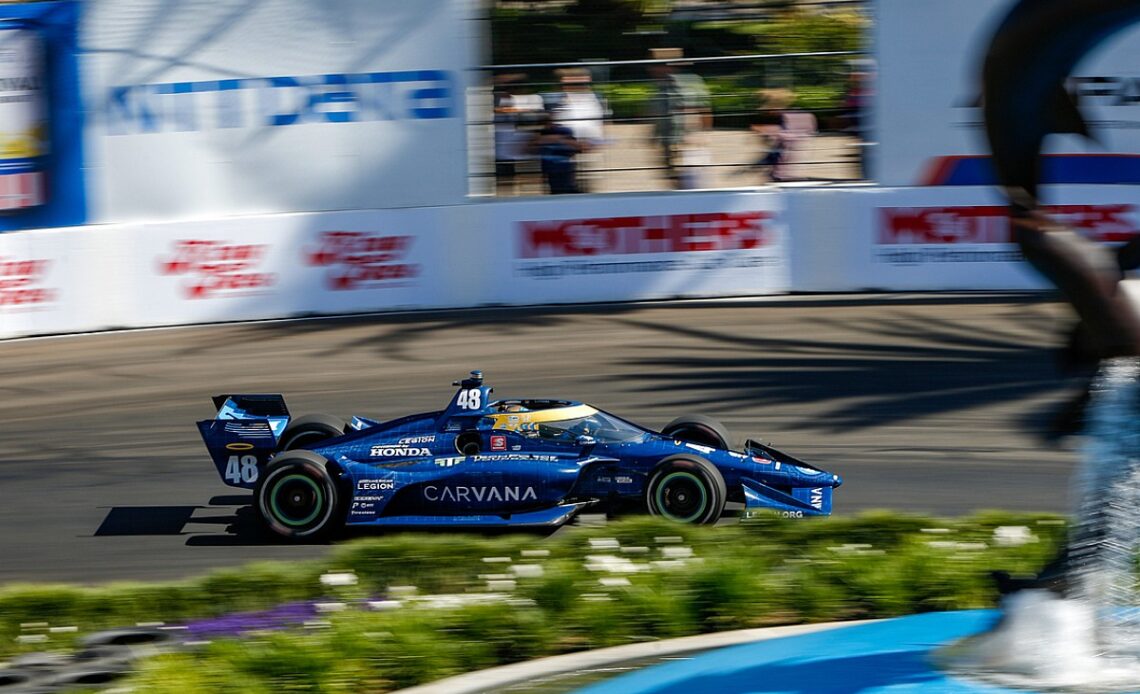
239 527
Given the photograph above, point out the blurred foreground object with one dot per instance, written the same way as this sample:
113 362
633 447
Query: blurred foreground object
1091 636
1024 101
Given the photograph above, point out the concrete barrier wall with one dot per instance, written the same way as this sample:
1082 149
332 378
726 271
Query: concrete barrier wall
933 239
539 251
543 251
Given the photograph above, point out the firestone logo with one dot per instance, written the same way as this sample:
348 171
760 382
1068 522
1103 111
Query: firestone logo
989 224
19 280
216 268
361 260
686 233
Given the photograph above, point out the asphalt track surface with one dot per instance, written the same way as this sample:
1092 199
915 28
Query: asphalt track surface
927 403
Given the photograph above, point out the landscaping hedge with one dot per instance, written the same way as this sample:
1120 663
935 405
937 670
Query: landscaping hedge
517 597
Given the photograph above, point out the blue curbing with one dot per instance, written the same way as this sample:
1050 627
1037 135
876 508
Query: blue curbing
889 656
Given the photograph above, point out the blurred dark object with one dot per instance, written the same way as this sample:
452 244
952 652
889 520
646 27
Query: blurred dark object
1024 100
1032 53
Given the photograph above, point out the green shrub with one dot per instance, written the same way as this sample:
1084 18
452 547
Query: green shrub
646 579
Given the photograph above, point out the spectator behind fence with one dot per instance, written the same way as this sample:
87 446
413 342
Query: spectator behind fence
505 146
782 132
556 148
579 109
856 103
515 112
680 108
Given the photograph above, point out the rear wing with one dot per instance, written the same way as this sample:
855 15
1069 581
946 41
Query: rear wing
243 435
268 407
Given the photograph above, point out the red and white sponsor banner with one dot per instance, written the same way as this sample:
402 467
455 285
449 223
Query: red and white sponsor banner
532 252
960 238
51 282
278 266
647 247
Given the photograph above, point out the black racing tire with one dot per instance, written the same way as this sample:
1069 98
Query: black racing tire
297 497
309 430
686 489
699 429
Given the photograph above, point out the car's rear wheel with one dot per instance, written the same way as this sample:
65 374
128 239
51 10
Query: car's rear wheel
686 489
297 497
699 429
310 430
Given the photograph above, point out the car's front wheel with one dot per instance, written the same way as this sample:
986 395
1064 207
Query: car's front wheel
297 497
686 489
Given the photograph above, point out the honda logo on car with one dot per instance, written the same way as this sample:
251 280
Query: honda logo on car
389 451
217 268
467 494
715 231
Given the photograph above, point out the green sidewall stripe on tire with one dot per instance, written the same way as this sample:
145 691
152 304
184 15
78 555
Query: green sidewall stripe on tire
320 500
660 497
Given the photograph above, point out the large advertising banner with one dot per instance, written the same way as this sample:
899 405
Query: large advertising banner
51 281
960 239
927 119
207 110
271 267
631 248
542 251
41 118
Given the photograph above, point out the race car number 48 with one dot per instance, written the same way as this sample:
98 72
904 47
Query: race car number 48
241 469
470 399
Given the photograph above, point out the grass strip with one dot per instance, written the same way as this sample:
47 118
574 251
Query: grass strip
517 597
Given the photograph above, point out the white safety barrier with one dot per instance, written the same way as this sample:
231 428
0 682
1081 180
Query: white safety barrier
553 250
934 239
547 251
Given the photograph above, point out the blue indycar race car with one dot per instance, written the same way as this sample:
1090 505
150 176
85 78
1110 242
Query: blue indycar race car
493 463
